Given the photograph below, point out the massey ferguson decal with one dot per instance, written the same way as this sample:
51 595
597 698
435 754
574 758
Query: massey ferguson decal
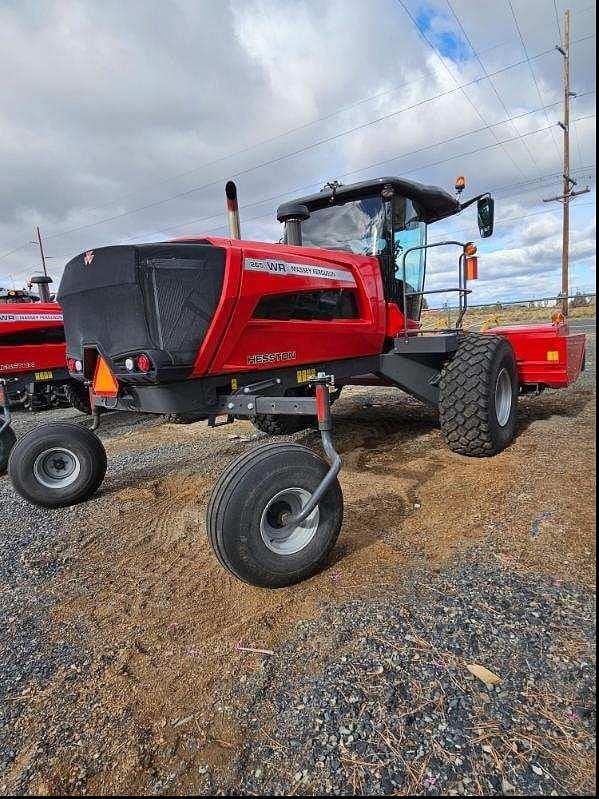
271 357
88 257
30 317
284 268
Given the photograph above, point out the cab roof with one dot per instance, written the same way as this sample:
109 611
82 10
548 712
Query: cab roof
432 202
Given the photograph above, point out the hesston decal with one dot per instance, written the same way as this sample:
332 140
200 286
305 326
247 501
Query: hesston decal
271 357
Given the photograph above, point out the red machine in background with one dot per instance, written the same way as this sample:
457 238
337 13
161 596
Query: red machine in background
32 347
33 368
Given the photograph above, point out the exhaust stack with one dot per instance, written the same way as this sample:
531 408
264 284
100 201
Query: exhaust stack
43 286
292 215
232 210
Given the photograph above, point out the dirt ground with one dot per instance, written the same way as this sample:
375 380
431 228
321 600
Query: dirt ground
156 626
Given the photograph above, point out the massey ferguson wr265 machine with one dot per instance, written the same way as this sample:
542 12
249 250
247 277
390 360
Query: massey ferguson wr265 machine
224 328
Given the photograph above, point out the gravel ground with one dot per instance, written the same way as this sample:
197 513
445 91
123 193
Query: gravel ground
372 696
391 708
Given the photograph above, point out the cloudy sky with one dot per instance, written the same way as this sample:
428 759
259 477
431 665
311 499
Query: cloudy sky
121 120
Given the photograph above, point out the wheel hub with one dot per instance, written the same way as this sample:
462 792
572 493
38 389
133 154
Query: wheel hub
56 468
276 535
503 397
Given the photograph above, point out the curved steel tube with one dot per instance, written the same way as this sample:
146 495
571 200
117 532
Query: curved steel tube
335 462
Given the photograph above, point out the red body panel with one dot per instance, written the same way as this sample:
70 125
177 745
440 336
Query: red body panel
235 338
24 358
255 270
532 343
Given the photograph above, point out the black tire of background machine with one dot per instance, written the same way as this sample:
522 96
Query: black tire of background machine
78 440
183 418
467 411
78 396
285 425
239 498
281 424
7 441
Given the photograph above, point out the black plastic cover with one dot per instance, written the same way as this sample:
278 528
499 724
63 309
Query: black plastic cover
135 298
432 202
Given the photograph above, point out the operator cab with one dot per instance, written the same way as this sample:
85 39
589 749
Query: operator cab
386 218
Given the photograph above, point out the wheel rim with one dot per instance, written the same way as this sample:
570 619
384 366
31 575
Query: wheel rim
503 397
280 509
56 468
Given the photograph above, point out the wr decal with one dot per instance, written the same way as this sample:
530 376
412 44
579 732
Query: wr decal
285 269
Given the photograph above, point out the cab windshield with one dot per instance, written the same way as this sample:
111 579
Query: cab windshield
356 227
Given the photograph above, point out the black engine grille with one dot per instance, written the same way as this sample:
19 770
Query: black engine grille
146 297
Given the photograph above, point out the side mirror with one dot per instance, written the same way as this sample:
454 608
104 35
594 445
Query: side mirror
486 216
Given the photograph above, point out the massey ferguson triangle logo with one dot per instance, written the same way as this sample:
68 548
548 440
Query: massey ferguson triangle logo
88 257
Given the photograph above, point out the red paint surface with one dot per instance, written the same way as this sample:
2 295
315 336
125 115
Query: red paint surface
531 344
234 336
24 358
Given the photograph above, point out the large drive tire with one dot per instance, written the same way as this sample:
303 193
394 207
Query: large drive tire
478 396
57 464
249 503
7 441
78 396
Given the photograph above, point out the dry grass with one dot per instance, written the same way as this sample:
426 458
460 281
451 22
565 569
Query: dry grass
477 317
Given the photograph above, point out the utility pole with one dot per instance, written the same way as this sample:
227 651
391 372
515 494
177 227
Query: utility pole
568 187
39 239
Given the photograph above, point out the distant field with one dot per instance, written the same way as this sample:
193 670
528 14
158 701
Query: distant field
478 316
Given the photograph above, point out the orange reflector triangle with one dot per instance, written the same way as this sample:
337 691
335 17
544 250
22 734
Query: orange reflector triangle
105 383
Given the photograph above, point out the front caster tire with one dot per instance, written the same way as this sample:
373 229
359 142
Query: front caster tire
252 501
479 396
7 441
57 464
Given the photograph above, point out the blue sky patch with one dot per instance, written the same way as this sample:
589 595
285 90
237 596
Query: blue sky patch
437 27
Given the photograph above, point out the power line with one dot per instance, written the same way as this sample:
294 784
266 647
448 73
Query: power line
494 190
388 160
268 140
491 82
518 218
277 159
452 76
557 22
532 72
299 189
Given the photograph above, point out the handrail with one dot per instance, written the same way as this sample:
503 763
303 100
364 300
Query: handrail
462 291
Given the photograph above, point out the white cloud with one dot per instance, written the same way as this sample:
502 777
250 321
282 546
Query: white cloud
101 104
